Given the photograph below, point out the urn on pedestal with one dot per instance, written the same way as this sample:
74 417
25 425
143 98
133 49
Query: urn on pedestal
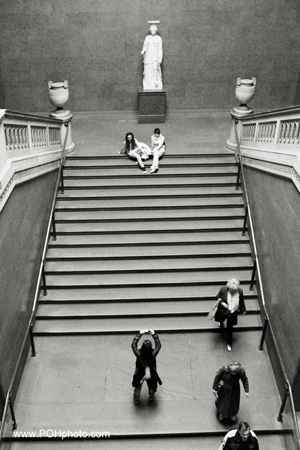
58 96
244 92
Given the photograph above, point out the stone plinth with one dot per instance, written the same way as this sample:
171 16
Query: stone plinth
152 106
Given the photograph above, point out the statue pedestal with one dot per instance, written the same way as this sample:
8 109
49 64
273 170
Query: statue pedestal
152 106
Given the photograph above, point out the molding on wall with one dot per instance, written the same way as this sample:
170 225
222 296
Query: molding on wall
19 176
287 170
283 161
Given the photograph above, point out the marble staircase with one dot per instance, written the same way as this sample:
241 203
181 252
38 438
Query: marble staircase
144 251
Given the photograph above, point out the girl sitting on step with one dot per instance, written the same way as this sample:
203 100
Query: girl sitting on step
135 150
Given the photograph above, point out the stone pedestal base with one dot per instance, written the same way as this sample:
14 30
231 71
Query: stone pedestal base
152 106
66 116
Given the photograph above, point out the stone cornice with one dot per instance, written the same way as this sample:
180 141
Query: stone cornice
18 176
278 168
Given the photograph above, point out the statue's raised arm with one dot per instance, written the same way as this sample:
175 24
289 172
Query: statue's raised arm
153 54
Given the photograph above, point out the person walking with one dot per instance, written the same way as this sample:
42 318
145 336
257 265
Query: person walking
145 366
226 388
135 150
231 301
158 148
241 438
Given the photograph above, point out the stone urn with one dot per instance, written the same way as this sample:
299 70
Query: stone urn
244 92
58 96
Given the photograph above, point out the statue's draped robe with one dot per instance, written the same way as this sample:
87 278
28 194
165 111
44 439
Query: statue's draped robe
153 54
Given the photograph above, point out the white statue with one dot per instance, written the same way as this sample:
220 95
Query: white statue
153 53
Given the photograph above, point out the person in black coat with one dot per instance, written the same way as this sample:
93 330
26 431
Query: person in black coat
226 388
145 366
231 301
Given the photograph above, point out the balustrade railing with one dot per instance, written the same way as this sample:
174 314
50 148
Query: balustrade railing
276 128
29 146
287 414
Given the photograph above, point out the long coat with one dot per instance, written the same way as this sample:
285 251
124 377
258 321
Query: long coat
141 363
223 313
228 401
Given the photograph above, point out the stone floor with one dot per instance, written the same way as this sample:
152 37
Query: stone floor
104 133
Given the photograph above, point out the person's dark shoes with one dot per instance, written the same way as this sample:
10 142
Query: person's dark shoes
143 169
151 395
153 170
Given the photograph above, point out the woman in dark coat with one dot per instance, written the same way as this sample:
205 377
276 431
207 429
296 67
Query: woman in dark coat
145 366
226 388
231 301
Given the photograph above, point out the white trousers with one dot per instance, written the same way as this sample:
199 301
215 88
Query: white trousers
156 155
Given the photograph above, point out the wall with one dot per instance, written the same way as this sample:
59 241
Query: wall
96 45
275 207
23 224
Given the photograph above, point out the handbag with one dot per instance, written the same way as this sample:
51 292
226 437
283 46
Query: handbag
213 310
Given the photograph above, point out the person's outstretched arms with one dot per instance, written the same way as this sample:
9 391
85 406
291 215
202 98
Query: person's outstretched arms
135 342
157 342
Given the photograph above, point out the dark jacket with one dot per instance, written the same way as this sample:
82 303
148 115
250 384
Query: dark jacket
228 401
141 363
233 441
223 313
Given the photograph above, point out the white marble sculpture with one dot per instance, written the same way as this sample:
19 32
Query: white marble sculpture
153 53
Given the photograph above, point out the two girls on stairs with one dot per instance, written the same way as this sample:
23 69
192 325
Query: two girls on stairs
141 152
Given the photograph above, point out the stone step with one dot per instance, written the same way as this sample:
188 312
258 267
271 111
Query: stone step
149 182
146 280
149 203
137 251
142 266
123 324
147 227
210 237
270 440
168 159
131 171
148 308
169 192
189 214
128 294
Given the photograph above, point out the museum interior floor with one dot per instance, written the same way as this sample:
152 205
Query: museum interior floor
84 382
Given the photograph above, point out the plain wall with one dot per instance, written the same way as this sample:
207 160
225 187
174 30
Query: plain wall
23 225
96 45
275 209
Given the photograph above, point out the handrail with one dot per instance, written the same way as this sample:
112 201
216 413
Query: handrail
267 318
37 291
272 112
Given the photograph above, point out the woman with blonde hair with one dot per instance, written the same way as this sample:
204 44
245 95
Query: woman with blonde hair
231 301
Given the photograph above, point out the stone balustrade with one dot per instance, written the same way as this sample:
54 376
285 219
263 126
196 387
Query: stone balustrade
269 141
29 146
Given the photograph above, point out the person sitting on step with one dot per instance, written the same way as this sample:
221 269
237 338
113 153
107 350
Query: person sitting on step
135 150
158 148
145 366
